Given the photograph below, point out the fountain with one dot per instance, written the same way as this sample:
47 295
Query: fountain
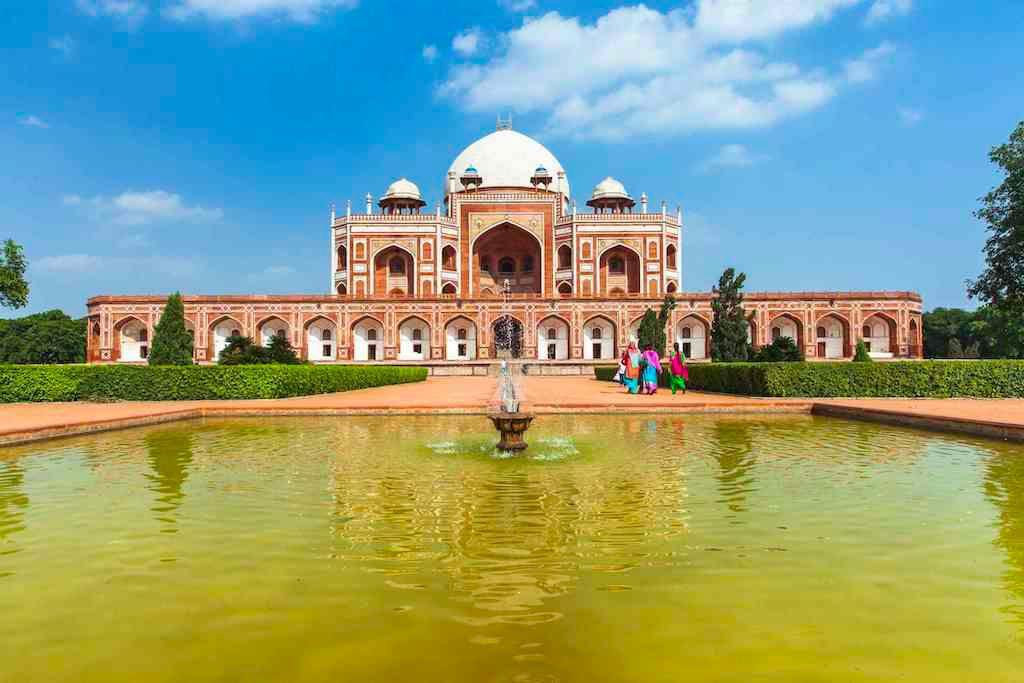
508 420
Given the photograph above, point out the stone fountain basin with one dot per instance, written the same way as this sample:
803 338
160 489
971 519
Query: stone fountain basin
511 427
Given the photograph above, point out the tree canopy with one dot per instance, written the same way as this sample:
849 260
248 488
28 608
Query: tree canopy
1001 284
243 351
13 285
43 338
172 344
730 325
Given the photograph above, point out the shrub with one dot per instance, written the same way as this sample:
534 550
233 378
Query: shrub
861 355
187 383
172 344
927 379
782 350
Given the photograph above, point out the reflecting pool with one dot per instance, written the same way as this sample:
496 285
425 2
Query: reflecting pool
617 549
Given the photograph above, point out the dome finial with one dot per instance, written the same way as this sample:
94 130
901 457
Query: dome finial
504 124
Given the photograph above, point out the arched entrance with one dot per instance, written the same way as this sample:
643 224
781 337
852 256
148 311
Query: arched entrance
786 326
367 340
321 340
915 340
413 339
460 339
619 269
507 333
224 329
552 339
832 338
394 273
270 328
598 339
133 340
507 252
692 337
879 334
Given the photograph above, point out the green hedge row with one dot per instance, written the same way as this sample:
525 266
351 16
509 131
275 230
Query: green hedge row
925 379
196 382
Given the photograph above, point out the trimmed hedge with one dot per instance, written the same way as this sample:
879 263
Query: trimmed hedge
39 383
918 379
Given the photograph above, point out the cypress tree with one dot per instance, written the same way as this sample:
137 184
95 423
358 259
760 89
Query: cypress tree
651 332
729 328
861 354
172 344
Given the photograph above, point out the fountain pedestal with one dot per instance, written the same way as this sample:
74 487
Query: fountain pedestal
511 426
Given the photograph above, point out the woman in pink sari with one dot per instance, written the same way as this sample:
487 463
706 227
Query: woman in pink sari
651 370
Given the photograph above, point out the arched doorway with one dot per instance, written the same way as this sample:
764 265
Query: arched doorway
448 257
367 340
460 339
786 326
692 337
915 340
508 252
342 258
564 290
413 339
394 273
565 257
321 340
879 334
598 339
342 289
832 338
619 269
449 289
507 333
270 328
670 257
224 329
552 339
133 341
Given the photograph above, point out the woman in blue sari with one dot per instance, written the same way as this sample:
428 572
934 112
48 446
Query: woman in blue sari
631 359
652 368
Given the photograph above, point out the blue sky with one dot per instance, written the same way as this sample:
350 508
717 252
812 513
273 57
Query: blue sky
154 145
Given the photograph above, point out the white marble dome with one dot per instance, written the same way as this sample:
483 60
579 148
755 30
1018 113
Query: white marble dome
609 188
507 158
402 188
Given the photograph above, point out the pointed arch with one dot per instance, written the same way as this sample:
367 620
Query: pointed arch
367 338
414 335
881 345
829 345
460 334
270 326
780 327
131 337
496 245
385 281
599 338
320 339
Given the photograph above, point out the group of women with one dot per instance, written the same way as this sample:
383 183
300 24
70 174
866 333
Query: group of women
640 370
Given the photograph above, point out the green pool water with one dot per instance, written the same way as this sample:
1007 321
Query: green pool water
618 549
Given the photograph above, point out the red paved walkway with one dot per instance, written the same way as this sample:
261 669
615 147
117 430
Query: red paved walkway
468 395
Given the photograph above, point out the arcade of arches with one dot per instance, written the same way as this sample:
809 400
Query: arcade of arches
507 252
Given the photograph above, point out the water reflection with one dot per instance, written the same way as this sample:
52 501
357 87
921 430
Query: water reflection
13 503
169 454
733 450
1004 487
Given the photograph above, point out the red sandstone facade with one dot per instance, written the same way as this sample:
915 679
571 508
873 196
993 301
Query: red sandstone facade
427 287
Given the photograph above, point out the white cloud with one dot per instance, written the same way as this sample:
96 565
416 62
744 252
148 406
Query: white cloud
78 264
143 208
882 10
865 68
128 12
741 20
731 156
468 42
68 263
911 117
66 45
429 53
637 71
32 121
304 11
518 5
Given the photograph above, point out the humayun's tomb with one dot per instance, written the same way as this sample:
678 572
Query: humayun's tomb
430 286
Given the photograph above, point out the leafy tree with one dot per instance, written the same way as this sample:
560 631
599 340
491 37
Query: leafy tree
652 326
861 355
13 286
172 344
956 349
281 351
1001 284
941 326
43 338
999 335
782 350
729 329
243 351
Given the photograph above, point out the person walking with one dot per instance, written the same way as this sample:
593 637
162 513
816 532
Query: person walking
652 369
677 369
631 375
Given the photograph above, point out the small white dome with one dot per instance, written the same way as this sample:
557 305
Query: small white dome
506 158
402 189
610 188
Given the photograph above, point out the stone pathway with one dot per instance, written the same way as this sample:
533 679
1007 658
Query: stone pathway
23 422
